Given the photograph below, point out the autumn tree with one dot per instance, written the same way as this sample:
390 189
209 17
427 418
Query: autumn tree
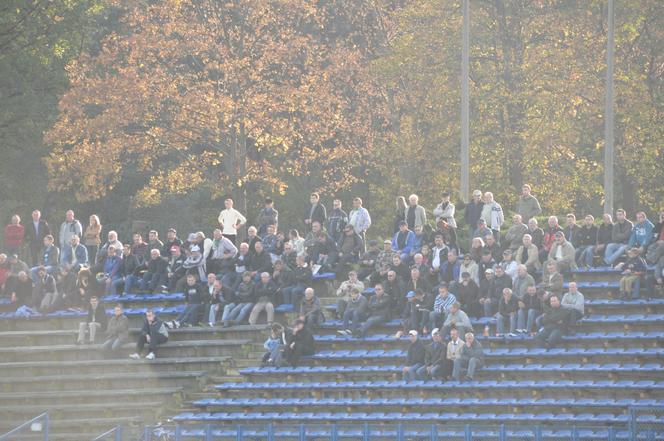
215 95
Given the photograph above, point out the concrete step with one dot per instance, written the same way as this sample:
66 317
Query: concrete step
79 429
46 398
139 408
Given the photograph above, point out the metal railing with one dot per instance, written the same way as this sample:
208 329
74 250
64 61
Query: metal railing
115 433
39 423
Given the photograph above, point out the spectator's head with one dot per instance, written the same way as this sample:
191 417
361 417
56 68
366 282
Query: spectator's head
403 226
396 260
110 251
69 216
391 276
572 287
278 265
414 274
412 335
489 240
418 259
455 307
439 241
559 237
378 289
467 259
481 223
288 247
246 277
554 301
309 293
522 270
488 197
517 219
265 278
217 234
640 217
153 235
41 271
425 250
315 227
268 203
75 240
276 329
244 248
527 240
507 255
3 258
445 197
252 231
293 234
300 261
436 336
94 301
413 199
191 279
499 271
373 245
258 246
570 219
117 310
314 198
48 240
156 254
442 290
357 203
218 284
16 219
551 267
211 278
532 224
452 256
36 215
298 325
507 293
417 229
488 273
470 338
633 252
112 236
149 315
228 203
126 249
531 290
401 203
355 293
486 256
621 215
607 218
352 276
589 220
477 196
271 229
171 234
136 238
553 221
454 334
525 190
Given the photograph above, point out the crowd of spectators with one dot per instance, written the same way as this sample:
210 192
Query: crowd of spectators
426 274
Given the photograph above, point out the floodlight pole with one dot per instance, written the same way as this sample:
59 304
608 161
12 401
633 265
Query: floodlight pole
608 115
465 103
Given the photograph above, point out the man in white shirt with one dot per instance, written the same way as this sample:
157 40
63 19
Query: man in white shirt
360 219
230 220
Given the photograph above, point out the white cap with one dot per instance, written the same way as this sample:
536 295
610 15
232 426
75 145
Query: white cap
412 332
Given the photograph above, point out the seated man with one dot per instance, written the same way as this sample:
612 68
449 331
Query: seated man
514 236
530 308
300 343
195 298
562 252
574 302
656 278
155 276
265 293
458 319
238 312
301 278
220 297
127 279
310 309
378 310
44 293
454 347
403 241
586 242
441 306
414 357
19 289
507 313
344 290
527 254
368 260
194 263
416 312
220 260
552 280
117 330
74 256
154 333
108 271
354 313
450 270
471 358
633 269
96 320
554 323
48 258
621 231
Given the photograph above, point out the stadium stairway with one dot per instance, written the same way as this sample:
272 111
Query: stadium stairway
614 361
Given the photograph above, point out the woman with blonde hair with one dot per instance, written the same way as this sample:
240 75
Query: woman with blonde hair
92 238
400 213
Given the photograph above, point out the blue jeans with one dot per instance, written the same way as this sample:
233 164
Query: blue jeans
227 311
113 344
152 282
190 314
613 252
587 256
411 375
435 319
436 372
293 294
500 324
130 282
240 312
526 319
549 336
370 323
354 317
472 365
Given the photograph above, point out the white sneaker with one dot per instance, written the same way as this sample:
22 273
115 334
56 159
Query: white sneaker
176 323
135 356
342 332
511 334
211 324
150 356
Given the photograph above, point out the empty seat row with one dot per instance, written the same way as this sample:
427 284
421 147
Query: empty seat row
440 385
178 296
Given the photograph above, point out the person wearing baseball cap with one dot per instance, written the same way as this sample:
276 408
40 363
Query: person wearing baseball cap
172 240
434 358
414 357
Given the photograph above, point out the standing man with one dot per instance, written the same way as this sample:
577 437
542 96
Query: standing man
35 232
315 213
266 217
528 206
337 221
473 212
71 226
415 214
492 213
445 211
230 220
360 220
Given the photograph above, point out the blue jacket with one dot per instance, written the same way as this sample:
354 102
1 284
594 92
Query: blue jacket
410 242
80 255
641 234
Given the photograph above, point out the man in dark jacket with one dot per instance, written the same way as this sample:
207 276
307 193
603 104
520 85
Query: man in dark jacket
378 311
196 298
96 320
265 293
117 330
554 323
414 358
315 212
473 212
154 333
471 358
434 358
244 302
337 221
620 234
156 274
586 241
350 246
261 262
35 232
300 343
